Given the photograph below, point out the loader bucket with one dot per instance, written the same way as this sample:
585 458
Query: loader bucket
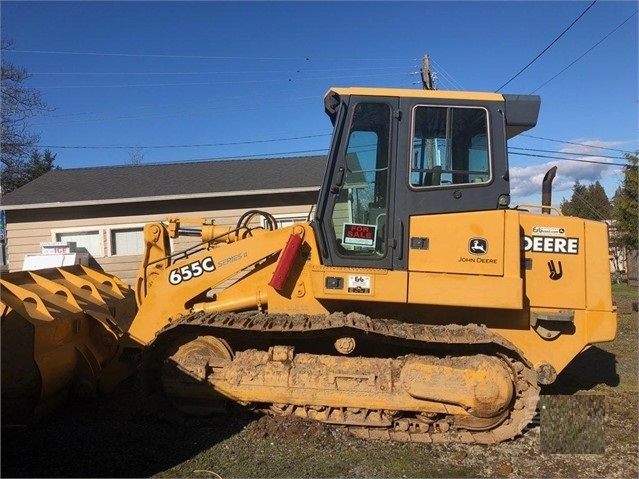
60 327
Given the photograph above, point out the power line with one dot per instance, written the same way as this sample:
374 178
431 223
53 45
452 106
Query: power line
574 143
237 72
578 160
290 102
204 57
234 82
281 154
151 55
545 49
199 103
303 137
592 208
448 76
562 153
235 143
585 53
125 147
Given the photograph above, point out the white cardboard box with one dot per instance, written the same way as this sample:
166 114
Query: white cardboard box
42 261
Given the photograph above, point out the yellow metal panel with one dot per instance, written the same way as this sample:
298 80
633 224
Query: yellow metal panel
464 243
598 290
512 244
481 385
589 328
467 255
465 290
409 93
359 284
554 249
601 326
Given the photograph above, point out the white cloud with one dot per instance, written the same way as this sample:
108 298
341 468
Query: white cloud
526 181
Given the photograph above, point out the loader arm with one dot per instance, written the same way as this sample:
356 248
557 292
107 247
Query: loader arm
157 246
192 280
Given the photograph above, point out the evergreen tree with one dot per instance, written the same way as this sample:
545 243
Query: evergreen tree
573 207
19 174
588 202
599 201
625 205
38 164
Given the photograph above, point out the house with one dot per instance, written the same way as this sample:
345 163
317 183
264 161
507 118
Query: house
102 210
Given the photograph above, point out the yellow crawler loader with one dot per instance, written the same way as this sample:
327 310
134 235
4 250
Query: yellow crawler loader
414 305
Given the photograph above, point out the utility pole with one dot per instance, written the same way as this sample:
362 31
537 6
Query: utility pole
427 77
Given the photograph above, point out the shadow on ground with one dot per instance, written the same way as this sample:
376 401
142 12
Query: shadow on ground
109 437
588 370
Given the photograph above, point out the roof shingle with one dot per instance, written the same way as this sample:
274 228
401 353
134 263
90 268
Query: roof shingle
169 179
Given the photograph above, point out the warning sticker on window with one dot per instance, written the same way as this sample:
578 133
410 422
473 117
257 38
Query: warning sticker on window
361 235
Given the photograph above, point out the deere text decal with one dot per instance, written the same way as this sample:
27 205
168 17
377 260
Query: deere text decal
550 244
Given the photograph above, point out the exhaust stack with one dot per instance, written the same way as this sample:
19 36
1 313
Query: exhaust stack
546 189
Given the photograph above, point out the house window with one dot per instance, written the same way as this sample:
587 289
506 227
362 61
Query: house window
103 241
85 241
127 241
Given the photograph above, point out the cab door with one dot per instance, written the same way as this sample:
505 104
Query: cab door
356 207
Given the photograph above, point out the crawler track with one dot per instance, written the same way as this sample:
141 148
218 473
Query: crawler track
258 330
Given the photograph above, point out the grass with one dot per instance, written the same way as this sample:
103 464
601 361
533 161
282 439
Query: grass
623 290
572 424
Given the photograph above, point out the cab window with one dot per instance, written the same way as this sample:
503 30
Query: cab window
450 146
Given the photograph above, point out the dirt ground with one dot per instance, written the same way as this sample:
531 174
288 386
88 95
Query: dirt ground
118 436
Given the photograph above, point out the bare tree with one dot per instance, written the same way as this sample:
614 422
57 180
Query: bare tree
19 103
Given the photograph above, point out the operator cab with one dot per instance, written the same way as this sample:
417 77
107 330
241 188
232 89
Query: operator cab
402 153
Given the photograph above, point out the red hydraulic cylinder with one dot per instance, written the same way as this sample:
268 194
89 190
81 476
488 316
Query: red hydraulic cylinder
285 262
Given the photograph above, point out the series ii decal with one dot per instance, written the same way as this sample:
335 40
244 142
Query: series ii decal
191 270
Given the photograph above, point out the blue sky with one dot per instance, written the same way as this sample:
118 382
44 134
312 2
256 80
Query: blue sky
181 81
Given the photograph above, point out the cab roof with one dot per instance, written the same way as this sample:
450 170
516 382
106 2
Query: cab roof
520 111
415 93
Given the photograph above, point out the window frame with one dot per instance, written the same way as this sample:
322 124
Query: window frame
79 230
411 151
376 251
105 238
110 246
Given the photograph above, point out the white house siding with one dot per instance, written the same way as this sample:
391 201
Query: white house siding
27 230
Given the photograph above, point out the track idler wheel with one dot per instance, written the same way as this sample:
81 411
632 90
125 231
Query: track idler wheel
184 373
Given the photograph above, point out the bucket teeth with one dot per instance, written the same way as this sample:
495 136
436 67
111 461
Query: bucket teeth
60 327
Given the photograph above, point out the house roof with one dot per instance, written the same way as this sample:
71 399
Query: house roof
167 181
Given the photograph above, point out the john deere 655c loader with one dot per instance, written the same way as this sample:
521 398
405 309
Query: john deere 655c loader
416 304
